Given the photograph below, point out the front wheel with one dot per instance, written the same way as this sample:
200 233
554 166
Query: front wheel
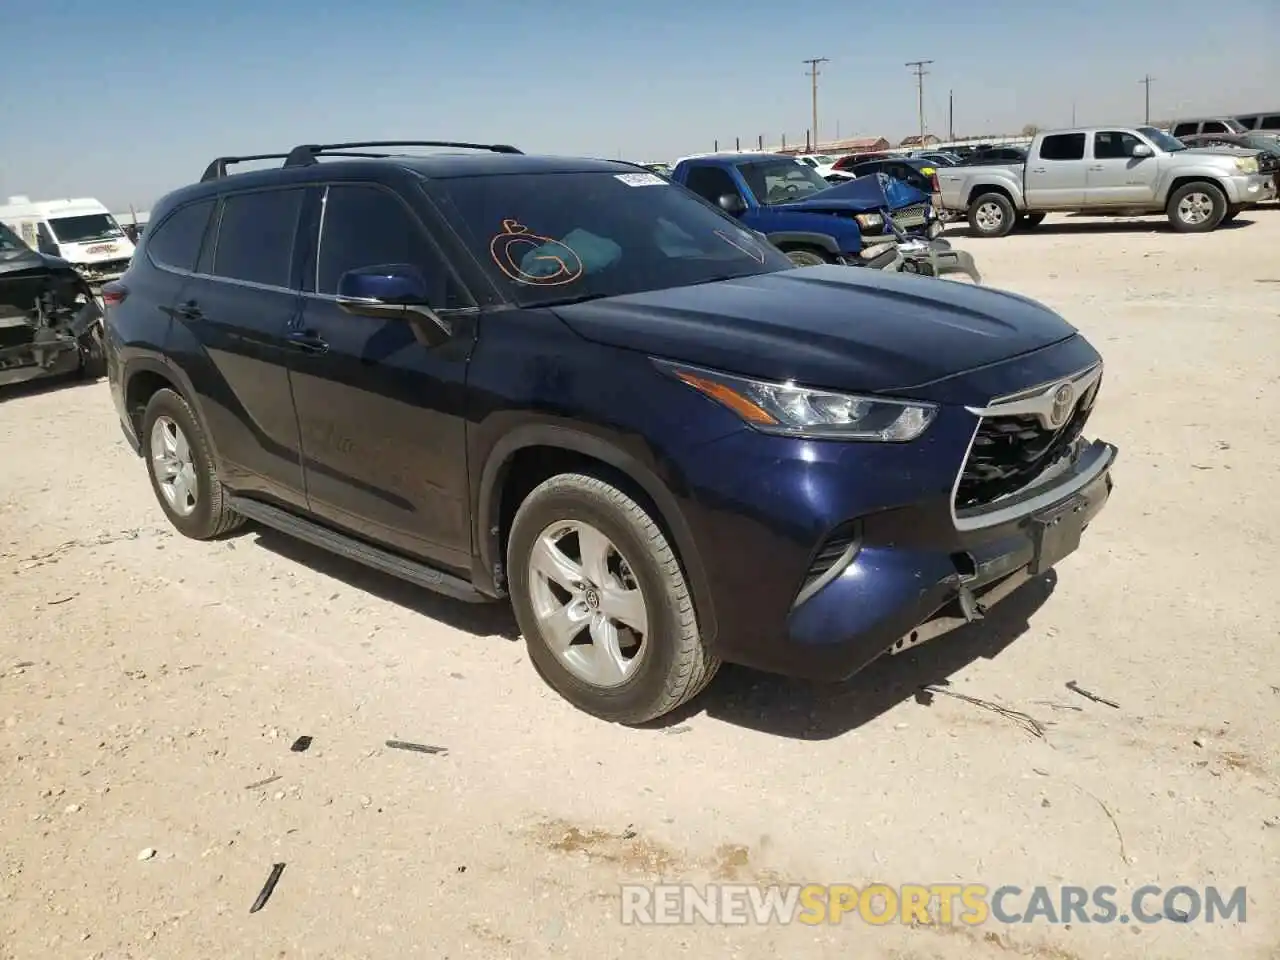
1196 208
807 258
602 602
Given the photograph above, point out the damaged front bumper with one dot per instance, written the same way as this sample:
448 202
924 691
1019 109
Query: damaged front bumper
30 350
926 258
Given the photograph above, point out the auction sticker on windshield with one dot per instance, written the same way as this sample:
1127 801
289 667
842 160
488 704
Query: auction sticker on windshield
640 179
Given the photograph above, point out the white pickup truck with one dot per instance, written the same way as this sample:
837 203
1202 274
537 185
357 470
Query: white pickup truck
1108 171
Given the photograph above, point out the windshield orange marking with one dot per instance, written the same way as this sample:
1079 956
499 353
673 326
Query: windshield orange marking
513 245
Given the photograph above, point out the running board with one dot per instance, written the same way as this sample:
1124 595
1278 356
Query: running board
363 553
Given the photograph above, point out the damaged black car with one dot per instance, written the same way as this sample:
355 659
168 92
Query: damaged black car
50 321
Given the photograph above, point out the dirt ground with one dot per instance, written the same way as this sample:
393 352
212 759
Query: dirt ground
150 686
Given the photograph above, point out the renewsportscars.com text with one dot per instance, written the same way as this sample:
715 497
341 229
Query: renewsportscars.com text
938 903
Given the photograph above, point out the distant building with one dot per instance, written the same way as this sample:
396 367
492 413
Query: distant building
916 142
848 145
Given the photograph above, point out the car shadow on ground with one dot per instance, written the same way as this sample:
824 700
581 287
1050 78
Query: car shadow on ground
1085 227
484 619
43 385
813 711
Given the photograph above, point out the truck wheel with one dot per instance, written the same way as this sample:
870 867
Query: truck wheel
602 602
1029 221
93 354
807 258
1231 214
992 215
181 469
1196 207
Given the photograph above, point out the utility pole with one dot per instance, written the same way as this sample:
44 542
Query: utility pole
813 77
1146 82
918 67
951 115
1073 113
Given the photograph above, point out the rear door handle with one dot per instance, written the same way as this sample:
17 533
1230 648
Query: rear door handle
190 310
308 341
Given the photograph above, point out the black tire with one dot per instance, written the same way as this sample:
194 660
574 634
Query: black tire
983 218
805 257
93 354
1029 221
1176 213
675 666
211 517
1230 215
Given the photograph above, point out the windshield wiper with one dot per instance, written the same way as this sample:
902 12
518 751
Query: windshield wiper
566 301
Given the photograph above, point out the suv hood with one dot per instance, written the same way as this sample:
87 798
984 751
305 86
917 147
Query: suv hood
838 327
859 195
1227 151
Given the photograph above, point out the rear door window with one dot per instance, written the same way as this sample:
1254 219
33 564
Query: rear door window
256 236
1185 130
1214 126
176 242
1270 123
1063 146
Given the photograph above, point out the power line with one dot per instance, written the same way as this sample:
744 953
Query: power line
918 67
1146 82
813 76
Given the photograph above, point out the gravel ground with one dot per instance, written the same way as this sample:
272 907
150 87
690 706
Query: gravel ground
151 686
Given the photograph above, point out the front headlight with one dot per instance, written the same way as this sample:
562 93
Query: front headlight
792 410
1247 164
869 220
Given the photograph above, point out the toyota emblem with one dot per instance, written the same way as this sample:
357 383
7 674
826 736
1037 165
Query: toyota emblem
1064 398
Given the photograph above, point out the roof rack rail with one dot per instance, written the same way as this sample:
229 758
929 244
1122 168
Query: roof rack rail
218 169
305 154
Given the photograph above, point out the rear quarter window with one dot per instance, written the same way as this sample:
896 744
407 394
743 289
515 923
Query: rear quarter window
176 242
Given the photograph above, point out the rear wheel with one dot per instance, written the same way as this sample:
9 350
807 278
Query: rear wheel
804 257
992 215
602 602
181 469
1196 207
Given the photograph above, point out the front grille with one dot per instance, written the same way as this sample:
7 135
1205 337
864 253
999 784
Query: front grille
104 268
1009 452
915 215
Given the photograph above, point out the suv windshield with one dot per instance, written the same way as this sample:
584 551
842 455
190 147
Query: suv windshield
1263 142
85 228
781 181
1162 140
557 237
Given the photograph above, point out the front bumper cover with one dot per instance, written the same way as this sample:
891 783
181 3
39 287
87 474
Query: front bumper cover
886 598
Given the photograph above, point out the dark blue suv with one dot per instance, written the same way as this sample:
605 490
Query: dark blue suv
574 383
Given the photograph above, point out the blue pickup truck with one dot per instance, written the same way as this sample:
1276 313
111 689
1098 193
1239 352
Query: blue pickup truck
873 222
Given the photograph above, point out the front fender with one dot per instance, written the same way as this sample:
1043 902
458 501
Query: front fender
488 506
821 240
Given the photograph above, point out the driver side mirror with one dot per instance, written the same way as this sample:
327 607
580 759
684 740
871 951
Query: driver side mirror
393 291
732 204
1139 151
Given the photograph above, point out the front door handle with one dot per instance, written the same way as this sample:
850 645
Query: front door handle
1098 167
1038 170
308 341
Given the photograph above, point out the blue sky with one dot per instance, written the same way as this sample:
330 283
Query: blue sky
126 99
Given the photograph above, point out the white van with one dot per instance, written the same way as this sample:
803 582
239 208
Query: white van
80 231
